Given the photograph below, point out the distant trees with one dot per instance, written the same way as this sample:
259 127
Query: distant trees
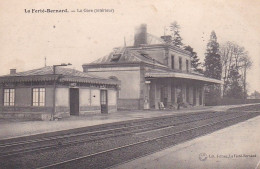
255 95
195 61
235 63
175 31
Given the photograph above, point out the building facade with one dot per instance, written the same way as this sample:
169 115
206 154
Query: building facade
153 74
46 94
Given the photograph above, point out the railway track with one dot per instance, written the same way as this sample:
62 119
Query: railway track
111 157
21 147
144 137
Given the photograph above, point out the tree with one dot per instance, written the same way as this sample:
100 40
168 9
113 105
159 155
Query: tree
247 63
176 38
255 95
236 57
195 61
235 90
213 67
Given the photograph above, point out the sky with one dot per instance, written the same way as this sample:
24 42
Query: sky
78 38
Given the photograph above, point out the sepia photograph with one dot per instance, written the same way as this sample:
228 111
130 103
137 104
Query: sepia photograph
120 84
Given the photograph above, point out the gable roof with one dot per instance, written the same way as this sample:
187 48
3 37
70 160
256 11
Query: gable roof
64 74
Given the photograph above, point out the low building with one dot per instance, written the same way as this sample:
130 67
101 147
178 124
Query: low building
153 74
55 92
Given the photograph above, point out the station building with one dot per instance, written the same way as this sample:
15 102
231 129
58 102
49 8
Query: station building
153 73
51 91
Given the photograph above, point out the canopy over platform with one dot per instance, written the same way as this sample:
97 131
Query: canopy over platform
167 74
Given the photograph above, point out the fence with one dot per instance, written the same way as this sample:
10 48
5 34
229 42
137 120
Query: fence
229 101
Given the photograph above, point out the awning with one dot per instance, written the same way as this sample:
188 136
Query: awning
182 76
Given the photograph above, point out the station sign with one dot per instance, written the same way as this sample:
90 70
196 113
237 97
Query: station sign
73 84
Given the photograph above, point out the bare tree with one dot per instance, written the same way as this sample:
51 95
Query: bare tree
246 64
235 57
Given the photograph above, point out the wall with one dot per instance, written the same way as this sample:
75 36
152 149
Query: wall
89 100
84 97
129 93
23 105
112 97
158 54
23 101
95 97
129 77
176 60
61 101
128 104
49 96
1 96
230 101
112 101
62 97
23 97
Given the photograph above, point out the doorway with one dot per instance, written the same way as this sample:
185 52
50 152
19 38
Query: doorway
103 101
74 101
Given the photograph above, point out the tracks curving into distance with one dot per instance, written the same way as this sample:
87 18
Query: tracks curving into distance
15 148
146 136
186 134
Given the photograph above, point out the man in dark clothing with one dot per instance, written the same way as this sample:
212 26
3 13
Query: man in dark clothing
179 101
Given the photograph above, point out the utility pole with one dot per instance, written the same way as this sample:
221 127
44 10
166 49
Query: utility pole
54 88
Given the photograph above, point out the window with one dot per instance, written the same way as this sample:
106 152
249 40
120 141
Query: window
180 63
115 57
187 65
172 61
9 97
38 97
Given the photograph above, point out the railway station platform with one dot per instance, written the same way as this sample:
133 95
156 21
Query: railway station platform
15 128
234 147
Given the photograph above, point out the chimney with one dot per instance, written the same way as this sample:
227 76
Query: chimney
140 35
167 38
12 71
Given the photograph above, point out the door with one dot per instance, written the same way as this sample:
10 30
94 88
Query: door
103 101
74 101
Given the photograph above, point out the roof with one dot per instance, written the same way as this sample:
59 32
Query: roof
64 74
163 74
126 55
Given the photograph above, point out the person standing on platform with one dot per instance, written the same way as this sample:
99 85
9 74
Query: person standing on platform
179 101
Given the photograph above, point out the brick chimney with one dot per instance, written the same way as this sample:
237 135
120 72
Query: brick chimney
12 71
140 35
